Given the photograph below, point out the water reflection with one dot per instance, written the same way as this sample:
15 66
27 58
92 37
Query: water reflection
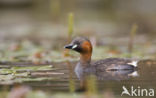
116 75
109 75
113 81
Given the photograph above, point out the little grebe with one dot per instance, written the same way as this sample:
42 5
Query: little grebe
84 47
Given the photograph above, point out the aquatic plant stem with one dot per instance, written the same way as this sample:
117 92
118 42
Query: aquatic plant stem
70 30
131 38
71 81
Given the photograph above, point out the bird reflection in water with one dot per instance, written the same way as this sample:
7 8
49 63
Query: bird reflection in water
115 75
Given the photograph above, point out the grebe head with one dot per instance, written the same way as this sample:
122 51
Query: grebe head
83 46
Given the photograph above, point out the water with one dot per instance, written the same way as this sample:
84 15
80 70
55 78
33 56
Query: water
57 79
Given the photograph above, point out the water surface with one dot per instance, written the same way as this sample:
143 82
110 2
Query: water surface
56 79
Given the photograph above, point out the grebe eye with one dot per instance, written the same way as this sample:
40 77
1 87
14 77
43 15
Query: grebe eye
76 43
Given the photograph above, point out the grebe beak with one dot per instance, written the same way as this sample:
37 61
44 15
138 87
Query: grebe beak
68 46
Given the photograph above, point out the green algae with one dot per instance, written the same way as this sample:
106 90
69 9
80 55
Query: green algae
14 69
32 68
21 78
18 74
